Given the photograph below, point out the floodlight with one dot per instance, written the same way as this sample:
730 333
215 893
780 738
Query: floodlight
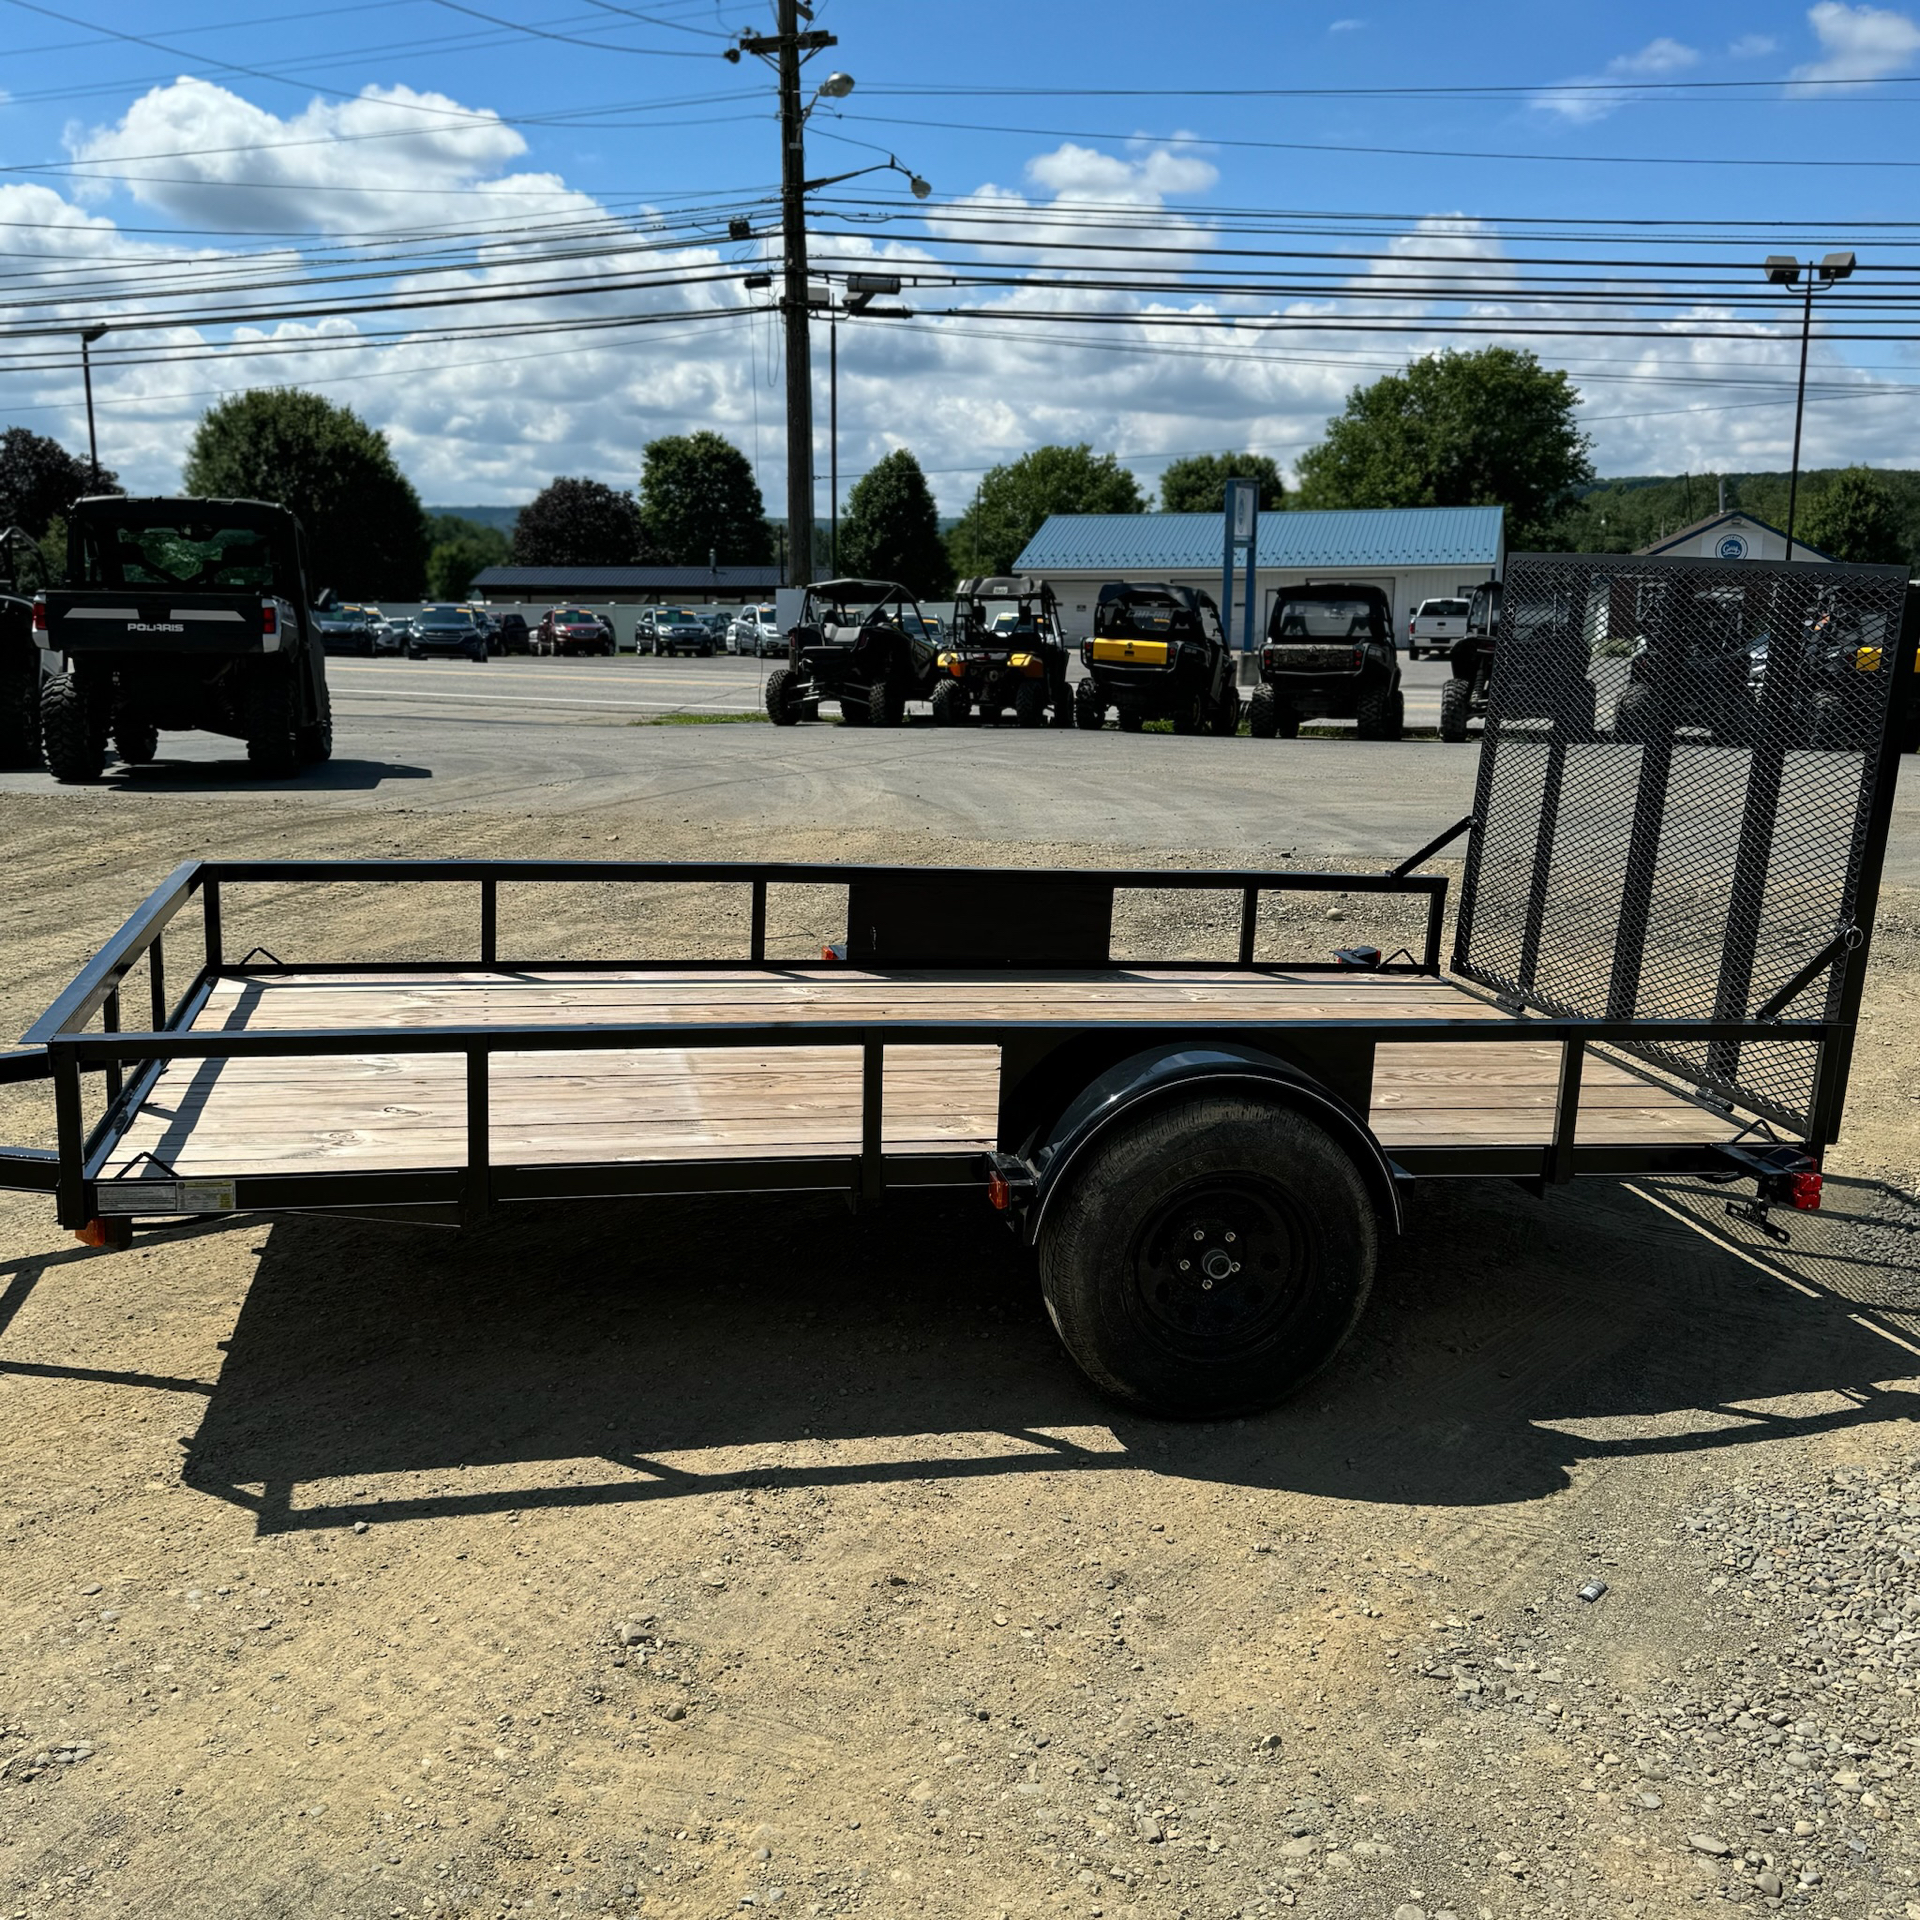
1782 269
1836 266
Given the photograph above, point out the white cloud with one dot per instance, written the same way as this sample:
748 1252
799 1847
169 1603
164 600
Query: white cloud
1073 172
1346 26
1859 43
1577 100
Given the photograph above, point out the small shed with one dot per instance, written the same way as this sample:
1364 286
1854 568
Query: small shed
1411 553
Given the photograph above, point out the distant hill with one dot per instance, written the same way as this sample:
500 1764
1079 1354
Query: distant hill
501 517
1625 514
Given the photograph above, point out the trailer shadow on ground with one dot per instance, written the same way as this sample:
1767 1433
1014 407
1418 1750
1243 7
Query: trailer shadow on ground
201 778
566 1358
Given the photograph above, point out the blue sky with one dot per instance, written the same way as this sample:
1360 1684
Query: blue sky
253 168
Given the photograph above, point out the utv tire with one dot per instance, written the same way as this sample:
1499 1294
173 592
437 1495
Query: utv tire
313 743
1263 712
1372 714
1224 722
136 741
1209 1258
1062 699
1089 710
267 712
782 698
1192 714
75 752
1132 720
20 716
949 704
1396 715
1456 702
853 710
1030 703
887 699
1634 715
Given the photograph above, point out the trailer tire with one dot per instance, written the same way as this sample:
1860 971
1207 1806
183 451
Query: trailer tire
1224 722
1284 1291
1263 712
949 704
782 698
1089 710
135 741
1456 699
74 749
1030 703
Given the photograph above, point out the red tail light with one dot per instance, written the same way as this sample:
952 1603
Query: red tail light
1803 1189
269 617
1359 658
998 1192
39 616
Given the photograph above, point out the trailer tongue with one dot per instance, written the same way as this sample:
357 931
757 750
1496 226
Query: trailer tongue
1656 967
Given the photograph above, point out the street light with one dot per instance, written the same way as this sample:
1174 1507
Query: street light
1783 270
88 336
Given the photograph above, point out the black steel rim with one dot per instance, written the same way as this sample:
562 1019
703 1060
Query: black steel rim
1221 1266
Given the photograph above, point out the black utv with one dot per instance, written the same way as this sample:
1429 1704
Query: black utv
1157 653
1547 677
1463 695
182 614
19 653
1004 653
864 643
1330 655
1696 667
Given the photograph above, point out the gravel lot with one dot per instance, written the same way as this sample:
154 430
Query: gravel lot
772 1558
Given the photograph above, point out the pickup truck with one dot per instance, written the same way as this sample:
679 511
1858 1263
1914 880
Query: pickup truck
181 614
1434 626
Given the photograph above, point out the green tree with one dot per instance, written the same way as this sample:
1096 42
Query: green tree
698 497
366 534
1198 484
1854 517
1014 500
577 523
891 529
1492 428
40 480
460 549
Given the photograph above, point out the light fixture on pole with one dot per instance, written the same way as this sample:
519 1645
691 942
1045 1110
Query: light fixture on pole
88 336
1783 270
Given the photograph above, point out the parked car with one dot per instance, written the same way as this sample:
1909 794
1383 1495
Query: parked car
397 632
514 635
448 633
344 630
1329 655
1434 626
756 631
1157 653
673 630
860 642
571 630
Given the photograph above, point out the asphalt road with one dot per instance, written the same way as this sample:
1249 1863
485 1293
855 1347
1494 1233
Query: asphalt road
567 736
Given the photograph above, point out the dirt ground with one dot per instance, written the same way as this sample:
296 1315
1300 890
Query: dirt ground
708 1558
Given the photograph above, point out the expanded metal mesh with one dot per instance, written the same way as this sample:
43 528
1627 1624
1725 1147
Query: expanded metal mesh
1675 792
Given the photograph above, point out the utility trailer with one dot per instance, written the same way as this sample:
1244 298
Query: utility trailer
1656 967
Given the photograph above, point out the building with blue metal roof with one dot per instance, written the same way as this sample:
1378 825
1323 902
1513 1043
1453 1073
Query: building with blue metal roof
1412 553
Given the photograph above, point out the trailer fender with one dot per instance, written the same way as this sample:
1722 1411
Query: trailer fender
1134 1086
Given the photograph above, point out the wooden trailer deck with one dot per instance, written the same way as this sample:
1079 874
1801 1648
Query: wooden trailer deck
388 1110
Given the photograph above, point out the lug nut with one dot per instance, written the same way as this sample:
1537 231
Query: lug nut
1229 1239
1185 1264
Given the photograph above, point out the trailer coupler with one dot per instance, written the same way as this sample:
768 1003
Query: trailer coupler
1783 1176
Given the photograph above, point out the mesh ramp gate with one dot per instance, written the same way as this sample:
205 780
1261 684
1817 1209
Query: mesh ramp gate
1682 802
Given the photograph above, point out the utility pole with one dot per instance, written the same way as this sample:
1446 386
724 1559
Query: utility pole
786 50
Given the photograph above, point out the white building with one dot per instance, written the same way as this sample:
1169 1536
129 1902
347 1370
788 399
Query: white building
1413 553
1732 536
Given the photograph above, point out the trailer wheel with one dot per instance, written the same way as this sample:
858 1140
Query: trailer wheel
1455 704
1210 1258
949 703
782 698
1263 712
1030 703
1089 710
1224 722
135 741
74 749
